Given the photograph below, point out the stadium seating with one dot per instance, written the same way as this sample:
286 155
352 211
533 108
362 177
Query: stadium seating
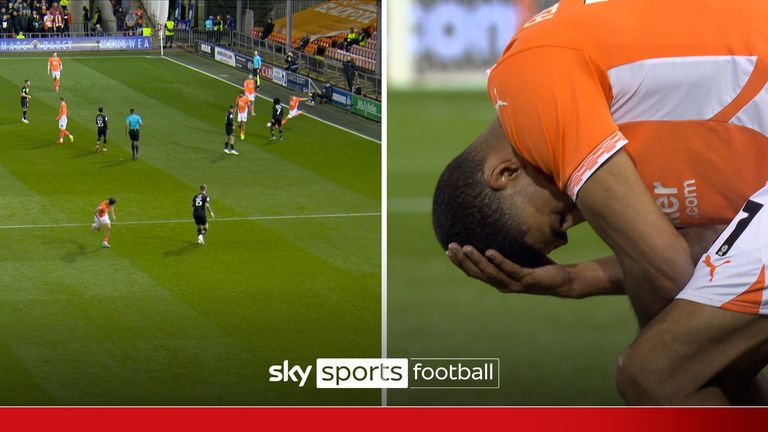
341 55
363 52
363 56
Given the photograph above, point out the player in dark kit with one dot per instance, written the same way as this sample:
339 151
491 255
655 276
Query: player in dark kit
101 129
229 128
277 119
200 203
25 97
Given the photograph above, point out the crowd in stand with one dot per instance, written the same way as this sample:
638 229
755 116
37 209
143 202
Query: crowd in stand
355 37
22 17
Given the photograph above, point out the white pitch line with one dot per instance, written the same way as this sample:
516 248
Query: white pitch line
264 97
80 57
165 221
202 72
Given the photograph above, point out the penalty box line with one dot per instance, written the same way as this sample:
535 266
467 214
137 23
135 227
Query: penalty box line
189 220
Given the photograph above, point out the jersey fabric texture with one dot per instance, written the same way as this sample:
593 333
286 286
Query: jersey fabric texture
680 85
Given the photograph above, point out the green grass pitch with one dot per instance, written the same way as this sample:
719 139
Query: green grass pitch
552 351
158 319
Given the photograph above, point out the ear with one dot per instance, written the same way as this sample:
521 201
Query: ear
501 175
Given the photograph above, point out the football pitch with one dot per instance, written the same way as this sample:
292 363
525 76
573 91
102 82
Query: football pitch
552 351
290 269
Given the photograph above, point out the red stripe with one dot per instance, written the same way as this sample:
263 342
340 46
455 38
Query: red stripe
364 419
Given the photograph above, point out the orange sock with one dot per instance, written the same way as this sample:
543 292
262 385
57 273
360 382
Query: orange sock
106 239
56 83
61 134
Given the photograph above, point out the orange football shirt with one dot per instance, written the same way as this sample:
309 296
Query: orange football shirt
62 110
103 208
242 104
680 85
294 103
249 86
55 63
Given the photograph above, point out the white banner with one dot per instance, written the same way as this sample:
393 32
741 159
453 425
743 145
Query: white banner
225 56
279 76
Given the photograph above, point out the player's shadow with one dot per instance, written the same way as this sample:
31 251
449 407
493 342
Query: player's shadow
4 123
183 250
222 156
81 250
82 155
116 163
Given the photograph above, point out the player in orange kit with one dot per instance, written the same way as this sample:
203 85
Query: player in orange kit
637 133
242 112
62 118
249 87
293 108
54 69
101 217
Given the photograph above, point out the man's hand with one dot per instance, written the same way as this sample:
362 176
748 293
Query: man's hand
508 277
601 276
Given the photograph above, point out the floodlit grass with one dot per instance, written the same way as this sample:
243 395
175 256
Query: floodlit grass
158 319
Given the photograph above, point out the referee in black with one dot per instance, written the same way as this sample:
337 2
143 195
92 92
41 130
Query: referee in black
101 129
25 97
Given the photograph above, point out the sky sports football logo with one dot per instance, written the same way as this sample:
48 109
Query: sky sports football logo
402 373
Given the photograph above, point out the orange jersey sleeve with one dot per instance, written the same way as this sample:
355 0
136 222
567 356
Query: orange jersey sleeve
553 106
249 86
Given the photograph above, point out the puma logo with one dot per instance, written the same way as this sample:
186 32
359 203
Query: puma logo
499 103
712 267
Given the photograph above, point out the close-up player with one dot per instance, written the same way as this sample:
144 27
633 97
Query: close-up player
642 132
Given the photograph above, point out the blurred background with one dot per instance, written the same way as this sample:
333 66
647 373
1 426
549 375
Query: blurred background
553 351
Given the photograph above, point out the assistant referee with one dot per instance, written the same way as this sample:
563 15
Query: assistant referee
132 124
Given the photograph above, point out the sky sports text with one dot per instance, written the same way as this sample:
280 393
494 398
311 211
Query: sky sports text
402 373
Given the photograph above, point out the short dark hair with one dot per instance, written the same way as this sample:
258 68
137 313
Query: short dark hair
276 101
466 210
112 201
101 109
131 111
203 187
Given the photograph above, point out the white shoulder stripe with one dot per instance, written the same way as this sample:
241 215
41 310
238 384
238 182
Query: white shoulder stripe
677 88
